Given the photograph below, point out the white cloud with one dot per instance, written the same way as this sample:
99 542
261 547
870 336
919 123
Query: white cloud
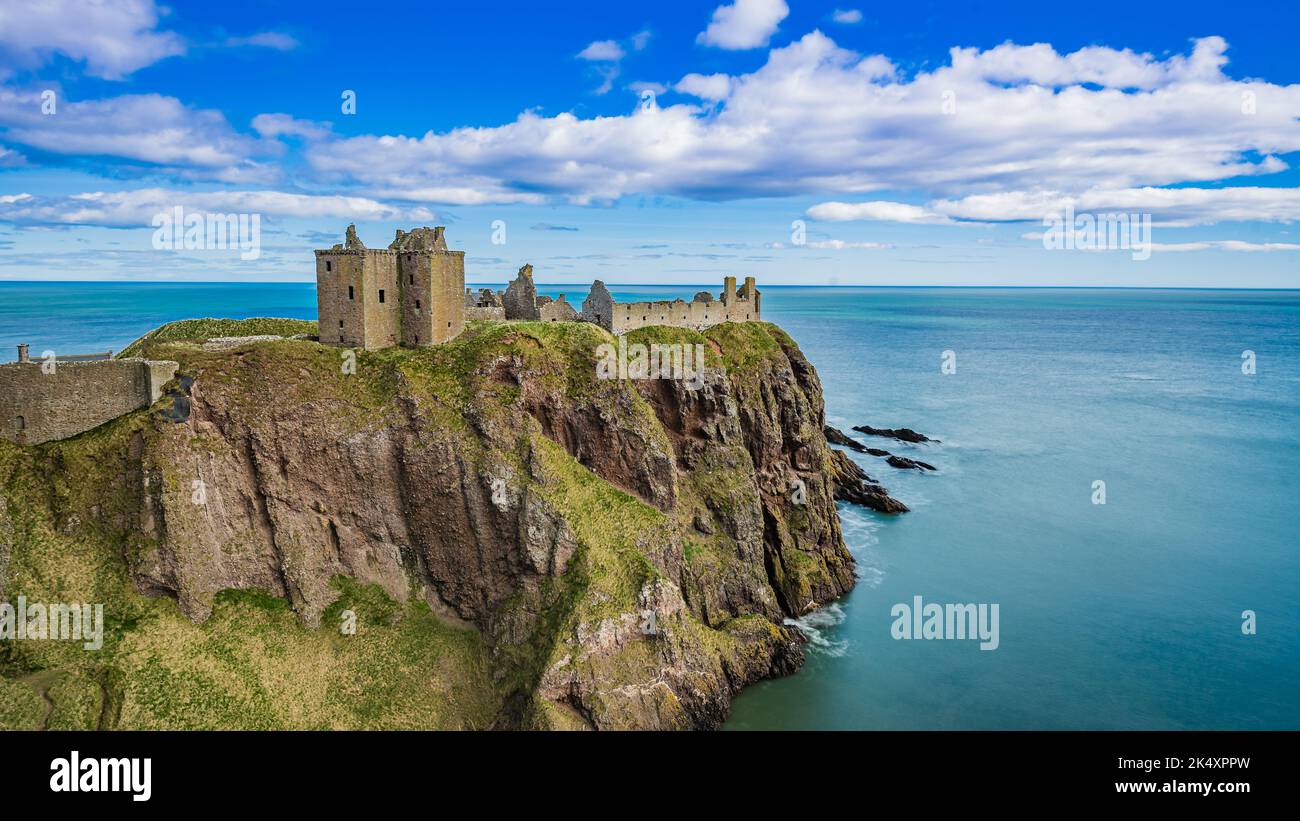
1167 206
602 51
147 128
641 39
881 210
113 38
819 118
744 24
712 87
135 209
847 17
286 125
266 39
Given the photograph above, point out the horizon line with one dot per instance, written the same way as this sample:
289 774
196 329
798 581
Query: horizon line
683 285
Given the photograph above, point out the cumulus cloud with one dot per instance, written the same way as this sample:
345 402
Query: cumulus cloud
712 87
136 208
147 128
286 125
744 24
602 51
113 39
819 118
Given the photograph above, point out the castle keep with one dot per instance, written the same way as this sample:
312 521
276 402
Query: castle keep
55 399
409 293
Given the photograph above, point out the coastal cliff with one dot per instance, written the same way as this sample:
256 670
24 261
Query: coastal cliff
518 543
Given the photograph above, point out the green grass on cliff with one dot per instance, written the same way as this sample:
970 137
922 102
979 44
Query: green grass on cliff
199 330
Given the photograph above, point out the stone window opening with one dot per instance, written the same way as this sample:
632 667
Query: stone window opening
20 422
340 324
412 279
351 293
417 304
381 296
328 266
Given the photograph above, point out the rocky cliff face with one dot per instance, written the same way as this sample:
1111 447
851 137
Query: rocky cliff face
586 553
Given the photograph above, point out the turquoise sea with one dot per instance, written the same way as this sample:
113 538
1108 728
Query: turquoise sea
1122 615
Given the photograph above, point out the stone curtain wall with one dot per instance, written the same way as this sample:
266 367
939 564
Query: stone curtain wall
37 407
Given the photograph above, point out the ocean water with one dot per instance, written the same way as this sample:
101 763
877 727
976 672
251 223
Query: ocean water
1122 615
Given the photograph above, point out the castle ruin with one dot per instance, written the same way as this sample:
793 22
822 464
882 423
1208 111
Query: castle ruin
413 293
521 301
703 311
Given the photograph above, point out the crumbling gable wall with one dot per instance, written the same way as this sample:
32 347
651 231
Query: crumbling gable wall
520 300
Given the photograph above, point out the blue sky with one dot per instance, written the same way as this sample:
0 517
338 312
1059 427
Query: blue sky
801 142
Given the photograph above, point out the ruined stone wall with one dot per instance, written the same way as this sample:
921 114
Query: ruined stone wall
383 299
489 314
448 282
701 312
37 407
339 310
557 310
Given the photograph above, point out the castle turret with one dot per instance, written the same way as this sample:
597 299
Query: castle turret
728 290
23 353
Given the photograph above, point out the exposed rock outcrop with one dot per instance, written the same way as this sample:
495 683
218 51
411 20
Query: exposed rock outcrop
903 463
901 434
835 436
852 484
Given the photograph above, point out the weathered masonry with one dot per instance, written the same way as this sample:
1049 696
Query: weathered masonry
58 398
701 312
410 293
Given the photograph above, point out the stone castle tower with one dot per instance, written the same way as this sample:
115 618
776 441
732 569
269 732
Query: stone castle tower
410 293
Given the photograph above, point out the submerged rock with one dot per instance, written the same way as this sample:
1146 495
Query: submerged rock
901 434
902 462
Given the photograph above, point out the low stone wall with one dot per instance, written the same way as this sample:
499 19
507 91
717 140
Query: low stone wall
490 314
75 397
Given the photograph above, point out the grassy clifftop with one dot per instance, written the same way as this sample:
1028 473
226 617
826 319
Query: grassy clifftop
199 330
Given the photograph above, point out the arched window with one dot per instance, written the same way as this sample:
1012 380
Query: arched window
20 422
